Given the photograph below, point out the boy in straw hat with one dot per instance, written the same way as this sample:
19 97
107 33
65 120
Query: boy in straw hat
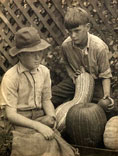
26 91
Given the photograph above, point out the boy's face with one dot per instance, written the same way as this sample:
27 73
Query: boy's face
79 34
31 60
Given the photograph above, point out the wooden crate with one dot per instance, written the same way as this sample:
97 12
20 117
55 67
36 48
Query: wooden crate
90 151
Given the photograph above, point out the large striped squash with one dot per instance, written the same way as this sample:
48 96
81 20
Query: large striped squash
85 124
83 93
111 133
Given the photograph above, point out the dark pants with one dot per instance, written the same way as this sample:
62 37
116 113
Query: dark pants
65 90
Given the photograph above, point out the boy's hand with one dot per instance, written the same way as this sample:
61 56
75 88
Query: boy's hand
46 131
50 121
106 103
78 72
105 96
111 105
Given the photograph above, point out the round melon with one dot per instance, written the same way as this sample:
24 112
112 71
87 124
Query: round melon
85 124
111 133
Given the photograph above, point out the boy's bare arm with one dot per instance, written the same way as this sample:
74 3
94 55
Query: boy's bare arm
49 108
106 87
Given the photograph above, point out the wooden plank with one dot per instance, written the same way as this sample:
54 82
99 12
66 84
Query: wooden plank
55 20
91 151
2 63
10 60
6 38
43 21
12 14
28 18
58 6
6 22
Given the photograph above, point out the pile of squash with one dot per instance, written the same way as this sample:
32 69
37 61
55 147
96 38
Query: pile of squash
85 122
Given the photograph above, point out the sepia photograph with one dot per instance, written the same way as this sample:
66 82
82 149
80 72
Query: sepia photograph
58 77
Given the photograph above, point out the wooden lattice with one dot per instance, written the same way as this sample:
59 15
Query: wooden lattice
45 15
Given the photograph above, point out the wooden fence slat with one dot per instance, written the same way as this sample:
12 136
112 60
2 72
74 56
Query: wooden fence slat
55 20
58 6
43 21
30 20
6 38
2 62
6 22
6 56
12 14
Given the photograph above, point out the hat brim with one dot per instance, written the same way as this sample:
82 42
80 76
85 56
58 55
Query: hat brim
40 46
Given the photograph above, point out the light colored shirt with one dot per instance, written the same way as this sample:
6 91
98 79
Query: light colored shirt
26 90
94 57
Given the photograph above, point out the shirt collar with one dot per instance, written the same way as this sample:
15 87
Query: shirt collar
88 43
22 69
87 47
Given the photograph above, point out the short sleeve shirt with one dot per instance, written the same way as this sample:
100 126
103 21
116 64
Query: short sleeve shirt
26 90
94 57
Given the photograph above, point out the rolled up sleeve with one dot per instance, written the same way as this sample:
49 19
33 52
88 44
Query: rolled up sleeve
103 64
